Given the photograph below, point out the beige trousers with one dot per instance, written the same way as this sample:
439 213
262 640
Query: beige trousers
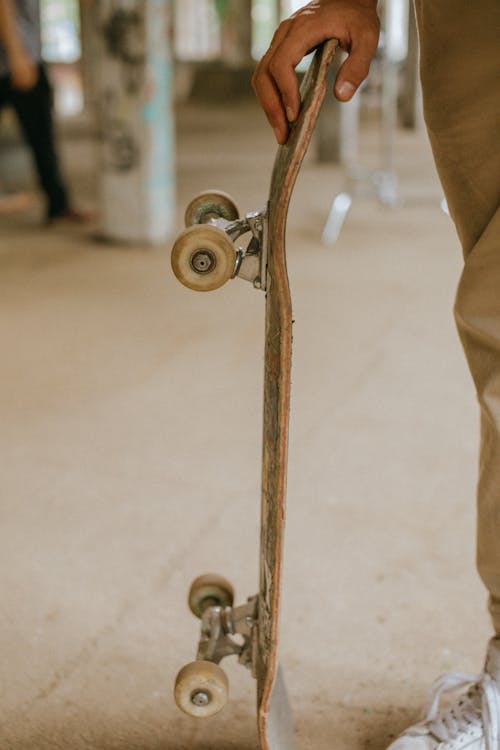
460 71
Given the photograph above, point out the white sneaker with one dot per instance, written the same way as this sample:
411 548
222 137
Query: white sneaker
472 721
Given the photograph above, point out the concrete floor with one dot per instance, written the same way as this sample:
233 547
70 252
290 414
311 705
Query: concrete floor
130 462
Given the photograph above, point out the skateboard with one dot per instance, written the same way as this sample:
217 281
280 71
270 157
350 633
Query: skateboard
204 256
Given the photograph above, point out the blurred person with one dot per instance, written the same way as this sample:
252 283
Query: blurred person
24 86
460 73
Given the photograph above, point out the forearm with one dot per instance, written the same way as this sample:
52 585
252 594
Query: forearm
9 35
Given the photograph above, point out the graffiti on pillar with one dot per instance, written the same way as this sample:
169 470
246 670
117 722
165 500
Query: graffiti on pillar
123 33
221 8
121 149
121 27
136 140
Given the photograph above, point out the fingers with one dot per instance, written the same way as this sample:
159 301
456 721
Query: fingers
282 66
356 67
354 23
275 81
267 91
272 104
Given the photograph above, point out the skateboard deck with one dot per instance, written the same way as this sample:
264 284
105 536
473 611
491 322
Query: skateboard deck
203 257
272 718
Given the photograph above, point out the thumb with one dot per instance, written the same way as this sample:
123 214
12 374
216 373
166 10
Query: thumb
353 72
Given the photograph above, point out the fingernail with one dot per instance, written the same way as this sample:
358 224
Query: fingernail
290 114
346 90
277 134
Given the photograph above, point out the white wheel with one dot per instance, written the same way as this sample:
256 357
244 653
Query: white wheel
212 204
201 689
209 590
203 257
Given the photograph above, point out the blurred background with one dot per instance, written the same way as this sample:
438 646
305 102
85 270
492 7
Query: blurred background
130 407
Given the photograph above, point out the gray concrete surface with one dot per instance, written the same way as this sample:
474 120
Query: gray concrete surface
130 450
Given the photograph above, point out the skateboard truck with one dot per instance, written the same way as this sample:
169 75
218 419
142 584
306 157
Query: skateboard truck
201 687
205 255
219 624
250 263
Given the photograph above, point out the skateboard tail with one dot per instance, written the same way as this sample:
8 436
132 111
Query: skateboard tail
276 726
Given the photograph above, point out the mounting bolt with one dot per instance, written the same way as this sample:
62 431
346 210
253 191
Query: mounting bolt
200 698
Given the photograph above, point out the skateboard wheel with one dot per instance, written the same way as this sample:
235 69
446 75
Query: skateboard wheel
201 689
203 258
209 590
212 204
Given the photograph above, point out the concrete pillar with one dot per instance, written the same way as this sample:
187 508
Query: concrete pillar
133 92
196 30
236 32
410 93
89 42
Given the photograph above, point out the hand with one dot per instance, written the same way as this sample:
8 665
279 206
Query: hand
353 22
23 71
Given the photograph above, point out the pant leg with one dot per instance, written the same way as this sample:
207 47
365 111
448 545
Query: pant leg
4 91
34 111
460 71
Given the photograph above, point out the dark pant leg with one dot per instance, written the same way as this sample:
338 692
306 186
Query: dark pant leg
4 91
34 111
